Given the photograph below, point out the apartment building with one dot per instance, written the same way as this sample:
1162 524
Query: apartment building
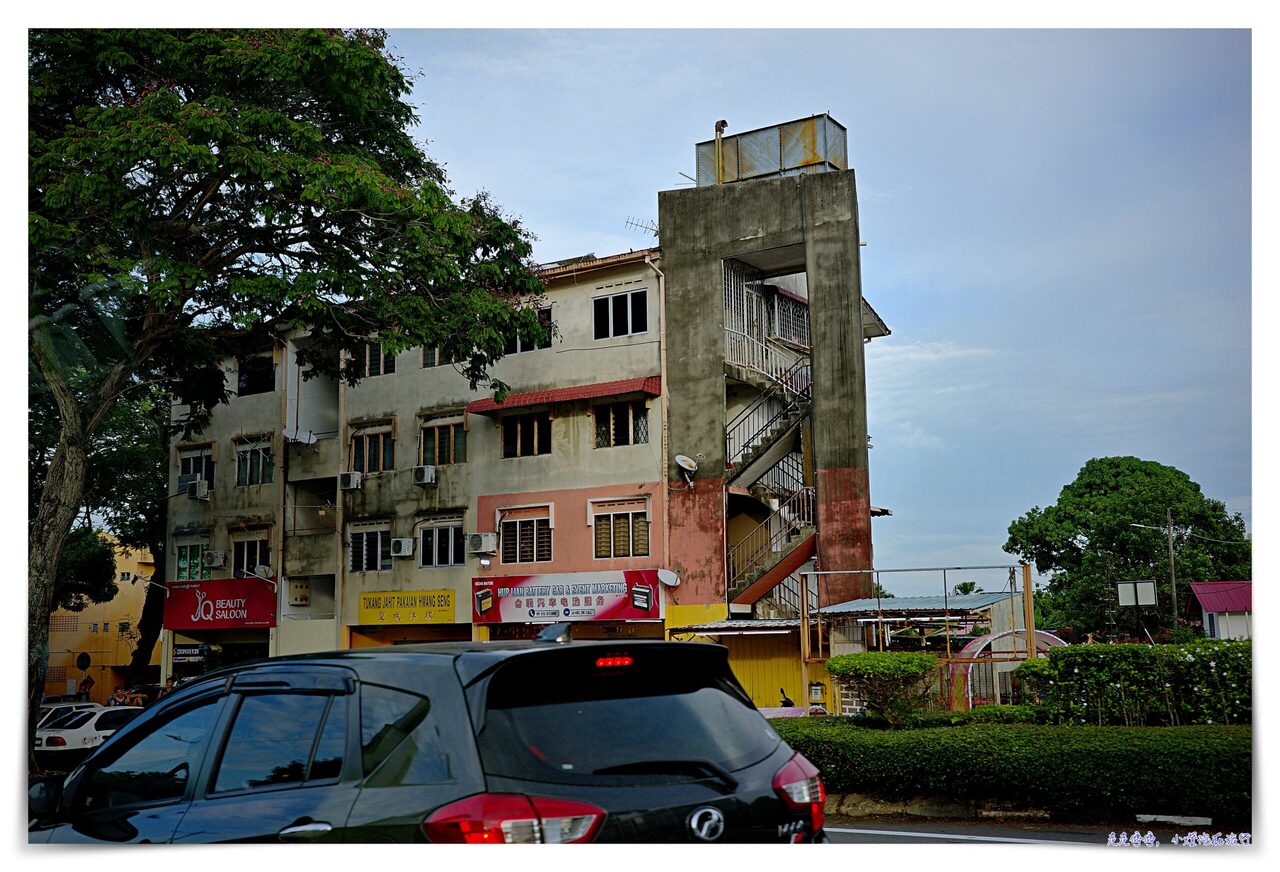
693 433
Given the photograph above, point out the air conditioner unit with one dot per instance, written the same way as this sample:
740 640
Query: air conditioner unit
482 543
401 547
215 559
126 577
349 481
198 489
424 476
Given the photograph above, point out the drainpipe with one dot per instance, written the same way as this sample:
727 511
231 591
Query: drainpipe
284 490
340 519
666 407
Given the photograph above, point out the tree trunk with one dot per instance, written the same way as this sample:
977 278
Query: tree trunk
151 621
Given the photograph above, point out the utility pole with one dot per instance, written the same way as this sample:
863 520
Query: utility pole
1173 578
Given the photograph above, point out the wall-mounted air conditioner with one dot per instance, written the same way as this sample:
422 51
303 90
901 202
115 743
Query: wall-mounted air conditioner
482 543
215 559
401 547
350 481
424 476
198 490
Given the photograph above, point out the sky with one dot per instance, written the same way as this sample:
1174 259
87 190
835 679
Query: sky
1057 227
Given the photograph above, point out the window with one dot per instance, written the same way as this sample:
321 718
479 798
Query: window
93 628
431 356
1212 626
250 554
283 739
254 464
441 545
525 435
526 540
256 375
516 345
370 551
376 360
442 444
373 450
622 424
122 627
398 745
191 562
621 314
155 768
621 529
195 465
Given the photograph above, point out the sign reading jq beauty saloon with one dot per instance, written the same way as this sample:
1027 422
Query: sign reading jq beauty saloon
219 604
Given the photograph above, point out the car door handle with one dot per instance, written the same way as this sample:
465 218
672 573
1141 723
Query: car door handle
303 832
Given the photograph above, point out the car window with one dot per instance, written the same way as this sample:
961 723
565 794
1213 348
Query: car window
400 744
644 715
72 720
114 720
283 739
155 767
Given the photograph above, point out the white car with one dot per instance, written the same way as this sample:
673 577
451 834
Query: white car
49 712
69 739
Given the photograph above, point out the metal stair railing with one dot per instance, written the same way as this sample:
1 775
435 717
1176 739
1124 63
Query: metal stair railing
787 595
746 350
787 394
772 534
786 476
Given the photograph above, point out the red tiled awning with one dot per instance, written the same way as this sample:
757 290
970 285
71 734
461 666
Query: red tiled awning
651 385
1224 596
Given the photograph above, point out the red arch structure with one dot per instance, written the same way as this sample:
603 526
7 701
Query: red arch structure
960 670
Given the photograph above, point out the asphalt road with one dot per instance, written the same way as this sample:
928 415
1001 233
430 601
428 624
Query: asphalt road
925 832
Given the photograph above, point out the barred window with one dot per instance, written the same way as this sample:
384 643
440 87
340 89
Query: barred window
443 444
525 435
370 551
64 623
526 540
254 464
191 562
621 530
373 450
621 424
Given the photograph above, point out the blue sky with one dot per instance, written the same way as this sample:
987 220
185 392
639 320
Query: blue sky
1057 226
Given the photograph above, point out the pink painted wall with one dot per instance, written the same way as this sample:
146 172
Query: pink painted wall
572 540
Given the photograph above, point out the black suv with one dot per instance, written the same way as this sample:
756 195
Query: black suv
456 742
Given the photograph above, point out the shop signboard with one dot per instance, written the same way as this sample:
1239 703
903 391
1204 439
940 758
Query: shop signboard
190 653
390 607
623 595
219 604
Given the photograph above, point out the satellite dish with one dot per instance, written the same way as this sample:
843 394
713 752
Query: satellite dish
669 578
688 464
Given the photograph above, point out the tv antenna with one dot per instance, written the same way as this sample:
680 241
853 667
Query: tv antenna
649 226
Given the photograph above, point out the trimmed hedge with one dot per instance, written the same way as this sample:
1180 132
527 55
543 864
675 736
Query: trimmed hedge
1204 682
892 684
987 714
1103 774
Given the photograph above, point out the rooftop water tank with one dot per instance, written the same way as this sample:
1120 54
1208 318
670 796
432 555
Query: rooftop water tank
817 144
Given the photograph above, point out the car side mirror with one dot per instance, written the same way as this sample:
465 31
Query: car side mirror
42 798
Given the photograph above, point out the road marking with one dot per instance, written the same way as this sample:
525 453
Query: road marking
960 836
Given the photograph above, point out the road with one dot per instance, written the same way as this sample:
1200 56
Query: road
926 832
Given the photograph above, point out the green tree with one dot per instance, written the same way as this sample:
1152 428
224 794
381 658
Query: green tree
966 587
86 572
198 194
1086 541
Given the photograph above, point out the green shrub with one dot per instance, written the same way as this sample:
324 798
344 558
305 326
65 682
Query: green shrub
1101 774
891 684
1203 682
987 714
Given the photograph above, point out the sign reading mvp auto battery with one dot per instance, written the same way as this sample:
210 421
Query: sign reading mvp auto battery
406 607
627 595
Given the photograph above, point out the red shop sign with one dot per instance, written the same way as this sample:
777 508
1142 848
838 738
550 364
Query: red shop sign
219 604
624 595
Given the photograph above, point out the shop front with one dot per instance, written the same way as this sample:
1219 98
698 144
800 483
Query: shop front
601 605
217 622
402 617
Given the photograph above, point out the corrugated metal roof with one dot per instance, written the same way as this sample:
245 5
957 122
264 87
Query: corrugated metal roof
651 384
1224 596
959 603
573 266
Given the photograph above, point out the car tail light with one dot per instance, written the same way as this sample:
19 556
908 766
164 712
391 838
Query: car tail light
512 818
799 786
55 742
622 660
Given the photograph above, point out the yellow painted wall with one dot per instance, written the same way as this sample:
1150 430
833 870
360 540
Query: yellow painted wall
765 664
701 613
96 631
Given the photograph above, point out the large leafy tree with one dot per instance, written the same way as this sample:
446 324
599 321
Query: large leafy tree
194 194
1087 540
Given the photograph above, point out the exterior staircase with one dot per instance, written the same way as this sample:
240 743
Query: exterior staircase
763 433
772 542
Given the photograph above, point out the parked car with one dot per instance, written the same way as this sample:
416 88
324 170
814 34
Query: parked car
53 711
66 741
537 741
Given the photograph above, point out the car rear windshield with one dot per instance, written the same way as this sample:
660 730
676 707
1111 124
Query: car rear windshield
70 721
639 715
